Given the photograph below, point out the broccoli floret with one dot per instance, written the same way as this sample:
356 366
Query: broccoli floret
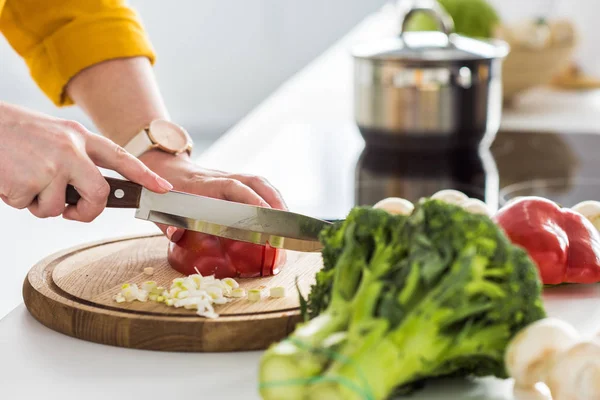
364 223
439 293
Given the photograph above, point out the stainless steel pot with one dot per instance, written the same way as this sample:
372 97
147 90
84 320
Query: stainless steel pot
432 89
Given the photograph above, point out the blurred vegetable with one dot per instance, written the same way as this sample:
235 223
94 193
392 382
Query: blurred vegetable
458 198
552 352
450 196
403 299
563 243
590 209
395 205
527 355
474 18
575 373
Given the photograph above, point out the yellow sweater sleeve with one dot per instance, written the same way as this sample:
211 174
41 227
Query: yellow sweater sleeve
59 38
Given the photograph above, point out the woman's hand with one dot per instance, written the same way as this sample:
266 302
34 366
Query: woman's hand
189 177
40 155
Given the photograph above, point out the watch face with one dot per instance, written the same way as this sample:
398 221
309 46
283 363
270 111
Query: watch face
171 137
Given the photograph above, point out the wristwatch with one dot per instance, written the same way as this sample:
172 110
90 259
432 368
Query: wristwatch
162 135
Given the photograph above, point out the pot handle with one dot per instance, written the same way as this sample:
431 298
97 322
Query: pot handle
430 7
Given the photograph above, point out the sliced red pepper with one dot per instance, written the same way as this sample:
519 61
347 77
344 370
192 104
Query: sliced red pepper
224 258
274 259
563 243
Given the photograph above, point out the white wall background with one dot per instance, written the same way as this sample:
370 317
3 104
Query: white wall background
216 59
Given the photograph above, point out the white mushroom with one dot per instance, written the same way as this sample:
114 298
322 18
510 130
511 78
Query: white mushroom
575 374
590 209
531 352
395 205
450 196
476 206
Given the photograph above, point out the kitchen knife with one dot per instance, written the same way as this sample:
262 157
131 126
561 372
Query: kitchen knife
243 222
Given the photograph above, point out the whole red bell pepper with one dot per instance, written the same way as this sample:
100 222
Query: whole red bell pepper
563 243
223 258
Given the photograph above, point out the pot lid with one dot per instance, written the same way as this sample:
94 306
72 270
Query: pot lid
431 46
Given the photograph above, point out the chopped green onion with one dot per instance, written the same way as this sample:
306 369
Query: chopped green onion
238 292
277 291
231 283
254 295
193 292
149 286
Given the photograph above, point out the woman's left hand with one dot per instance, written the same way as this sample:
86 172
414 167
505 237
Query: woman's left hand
185 176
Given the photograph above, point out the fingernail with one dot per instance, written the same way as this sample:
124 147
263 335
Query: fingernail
163 183
170 232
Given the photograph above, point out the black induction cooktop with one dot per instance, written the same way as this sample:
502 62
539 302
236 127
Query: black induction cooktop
562 166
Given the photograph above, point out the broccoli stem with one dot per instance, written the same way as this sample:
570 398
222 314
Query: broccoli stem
383 362
295 360
286 367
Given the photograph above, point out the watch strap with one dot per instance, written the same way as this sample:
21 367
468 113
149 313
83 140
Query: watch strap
139 144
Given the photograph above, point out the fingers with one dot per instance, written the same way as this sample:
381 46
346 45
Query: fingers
264 189
174 234
233 190
227 189
50 202
19 202
93 189
106 154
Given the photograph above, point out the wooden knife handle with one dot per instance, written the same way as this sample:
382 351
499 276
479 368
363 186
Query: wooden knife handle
123 194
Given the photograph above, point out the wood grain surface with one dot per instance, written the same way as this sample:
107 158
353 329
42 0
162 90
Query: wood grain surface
71 292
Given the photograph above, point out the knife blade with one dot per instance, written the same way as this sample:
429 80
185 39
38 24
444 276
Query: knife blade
227 219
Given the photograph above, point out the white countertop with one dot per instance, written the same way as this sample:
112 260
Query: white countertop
39 363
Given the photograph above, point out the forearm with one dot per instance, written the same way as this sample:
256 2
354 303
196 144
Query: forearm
120 96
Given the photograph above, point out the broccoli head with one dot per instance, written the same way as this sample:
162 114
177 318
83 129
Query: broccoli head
402 300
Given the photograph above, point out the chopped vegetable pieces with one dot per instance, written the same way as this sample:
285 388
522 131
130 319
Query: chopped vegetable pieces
254 295
194 292
238 293
277 291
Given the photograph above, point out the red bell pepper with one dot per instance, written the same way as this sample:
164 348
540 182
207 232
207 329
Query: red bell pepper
563 243
223 258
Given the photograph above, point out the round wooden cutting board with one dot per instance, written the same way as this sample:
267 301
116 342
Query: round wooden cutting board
72 292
